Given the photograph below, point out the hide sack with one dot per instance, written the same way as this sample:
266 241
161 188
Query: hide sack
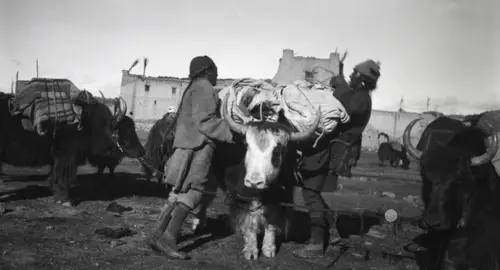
44 102
300 101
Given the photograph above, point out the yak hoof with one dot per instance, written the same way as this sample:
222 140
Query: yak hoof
67 204
64 202
269 251
251 253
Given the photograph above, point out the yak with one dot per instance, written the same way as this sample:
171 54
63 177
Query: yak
461 189
60 150
125 136
127 145
159 146
258 173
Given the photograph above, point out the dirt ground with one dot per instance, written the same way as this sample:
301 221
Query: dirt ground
35 233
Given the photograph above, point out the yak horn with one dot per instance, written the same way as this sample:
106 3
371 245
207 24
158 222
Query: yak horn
125 107
238 128
102 95
118 110
491 151
412 150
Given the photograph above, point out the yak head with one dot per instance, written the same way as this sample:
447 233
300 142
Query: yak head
449 174
126 136
123 130
97 121
124 133
105 130
266 147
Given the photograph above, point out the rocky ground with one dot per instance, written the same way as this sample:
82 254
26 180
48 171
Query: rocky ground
108 228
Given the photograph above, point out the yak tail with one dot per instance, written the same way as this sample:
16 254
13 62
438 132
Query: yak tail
64 172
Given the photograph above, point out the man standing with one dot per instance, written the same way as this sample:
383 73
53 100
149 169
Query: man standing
333 155
197 129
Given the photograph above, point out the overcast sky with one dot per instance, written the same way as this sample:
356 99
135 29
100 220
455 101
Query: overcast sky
442 49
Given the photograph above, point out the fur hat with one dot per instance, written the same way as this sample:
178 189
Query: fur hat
368 68
200 64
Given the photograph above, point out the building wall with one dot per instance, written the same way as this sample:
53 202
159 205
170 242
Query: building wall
394 124
164 92
148 106
292 67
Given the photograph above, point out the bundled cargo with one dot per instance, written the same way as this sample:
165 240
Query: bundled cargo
301 100
45 102
247 95
251 100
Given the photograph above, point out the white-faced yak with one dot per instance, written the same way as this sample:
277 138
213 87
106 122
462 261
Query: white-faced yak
259 174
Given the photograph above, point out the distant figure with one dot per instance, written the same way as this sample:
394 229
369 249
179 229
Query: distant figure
393 152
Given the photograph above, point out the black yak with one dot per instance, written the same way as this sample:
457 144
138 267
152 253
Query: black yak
25 148
159 146
461 189
128 145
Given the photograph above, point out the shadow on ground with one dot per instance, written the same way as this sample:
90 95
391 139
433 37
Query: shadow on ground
89 187
216 229
107 188
432 242
347 224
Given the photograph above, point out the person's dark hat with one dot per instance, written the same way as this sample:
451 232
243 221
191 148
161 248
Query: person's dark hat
368 68
200 64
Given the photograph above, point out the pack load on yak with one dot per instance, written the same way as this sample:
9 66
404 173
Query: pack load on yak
298 102
45 102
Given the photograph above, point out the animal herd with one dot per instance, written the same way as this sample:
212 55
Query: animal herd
460 185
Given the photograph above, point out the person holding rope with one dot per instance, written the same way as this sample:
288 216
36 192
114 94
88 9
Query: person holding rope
320 166
197 129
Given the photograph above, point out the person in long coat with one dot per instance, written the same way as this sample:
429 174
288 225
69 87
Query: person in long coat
188 171
334 155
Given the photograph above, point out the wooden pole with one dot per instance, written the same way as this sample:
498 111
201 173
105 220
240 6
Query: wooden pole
37 67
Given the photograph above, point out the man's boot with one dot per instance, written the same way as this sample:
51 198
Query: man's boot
161 225
166 243
333 234
315 248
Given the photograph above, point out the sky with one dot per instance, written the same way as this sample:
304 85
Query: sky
437 49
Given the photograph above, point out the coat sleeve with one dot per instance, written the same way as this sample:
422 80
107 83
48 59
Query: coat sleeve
357 105
338 81
205 115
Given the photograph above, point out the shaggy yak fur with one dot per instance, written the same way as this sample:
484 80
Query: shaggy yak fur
258 174
23 148
257 211
127 139
159 146
462 199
